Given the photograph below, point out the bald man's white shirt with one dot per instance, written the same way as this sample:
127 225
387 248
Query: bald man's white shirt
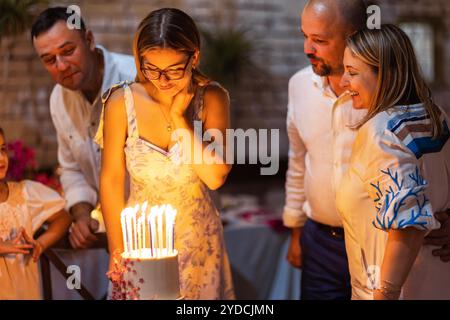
320 144
76 121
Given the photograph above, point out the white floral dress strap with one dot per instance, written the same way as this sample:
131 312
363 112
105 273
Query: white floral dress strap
131 116
131 113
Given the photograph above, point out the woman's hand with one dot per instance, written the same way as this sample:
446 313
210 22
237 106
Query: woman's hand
115 270
181 101
294 255
401 251
378 295
15 245
116 276
387 291
441 237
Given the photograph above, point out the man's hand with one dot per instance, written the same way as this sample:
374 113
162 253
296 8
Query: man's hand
294 255
441 237
83 228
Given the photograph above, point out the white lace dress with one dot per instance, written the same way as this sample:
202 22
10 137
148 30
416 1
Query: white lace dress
160 178
29 205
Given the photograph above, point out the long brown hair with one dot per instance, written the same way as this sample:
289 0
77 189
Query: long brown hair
167 28
389 52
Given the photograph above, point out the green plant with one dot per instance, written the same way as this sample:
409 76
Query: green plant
228 55
16 16
234 57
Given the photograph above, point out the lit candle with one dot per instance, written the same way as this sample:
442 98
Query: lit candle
139 235
144 244
153 214
124 230
135 242
143 217
144 207
160 230
166 220
160 221
170 219
150 234
129 230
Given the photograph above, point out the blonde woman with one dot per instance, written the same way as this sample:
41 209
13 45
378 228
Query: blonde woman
139 119
399 174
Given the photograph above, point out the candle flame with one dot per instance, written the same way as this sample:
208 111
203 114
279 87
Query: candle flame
155 223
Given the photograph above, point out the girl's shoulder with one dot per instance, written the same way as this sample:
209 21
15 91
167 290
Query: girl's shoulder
16 193
16 189
212 88
213 92
116 91
210 98
35 189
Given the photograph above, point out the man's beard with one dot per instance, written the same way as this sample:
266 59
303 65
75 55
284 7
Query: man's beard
322 69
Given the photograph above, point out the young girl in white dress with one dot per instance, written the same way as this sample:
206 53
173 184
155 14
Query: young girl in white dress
24 207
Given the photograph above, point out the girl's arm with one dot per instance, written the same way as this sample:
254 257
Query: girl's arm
213 169
401 251
112 175
58 224
15 245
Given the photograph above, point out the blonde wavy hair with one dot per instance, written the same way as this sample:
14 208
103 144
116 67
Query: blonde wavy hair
167 28
400 82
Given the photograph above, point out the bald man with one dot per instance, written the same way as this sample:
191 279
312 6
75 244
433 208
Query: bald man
319 125
319 147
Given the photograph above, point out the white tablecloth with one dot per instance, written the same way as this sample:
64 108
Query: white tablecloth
258 260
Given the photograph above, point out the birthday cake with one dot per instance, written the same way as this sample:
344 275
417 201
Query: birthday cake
149 264
147 278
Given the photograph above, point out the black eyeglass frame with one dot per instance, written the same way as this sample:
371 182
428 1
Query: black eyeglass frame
146 71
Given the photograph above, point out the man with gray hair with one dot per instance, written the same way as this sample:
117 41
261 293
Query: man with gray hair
319 121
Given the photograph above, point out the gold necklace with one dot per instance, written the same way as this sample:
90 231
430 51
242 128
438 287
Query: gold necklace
169 125
151 90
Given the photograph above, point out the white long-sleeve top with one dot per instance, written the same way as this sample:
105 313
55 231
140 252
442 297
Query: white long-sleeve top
320 142
76 121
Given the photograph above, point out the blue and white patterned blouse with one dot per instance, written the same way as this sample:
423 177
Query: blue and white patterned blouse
399 176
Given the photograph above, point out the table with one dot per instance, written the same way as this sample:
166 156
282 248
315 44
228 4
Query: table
257 255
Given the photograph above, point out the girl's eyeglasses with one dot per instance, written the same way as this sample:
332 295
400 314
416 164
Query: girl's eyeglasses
171 74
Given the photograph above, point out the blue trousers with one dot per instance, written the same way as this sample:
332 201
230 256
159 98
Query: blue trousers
325 274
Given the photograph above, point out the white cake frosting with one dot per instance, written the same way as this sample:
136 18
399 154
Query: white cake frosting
147 278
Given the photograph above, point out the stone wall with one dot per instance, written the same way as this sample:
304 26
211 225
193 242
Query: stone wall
274 27
436 12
